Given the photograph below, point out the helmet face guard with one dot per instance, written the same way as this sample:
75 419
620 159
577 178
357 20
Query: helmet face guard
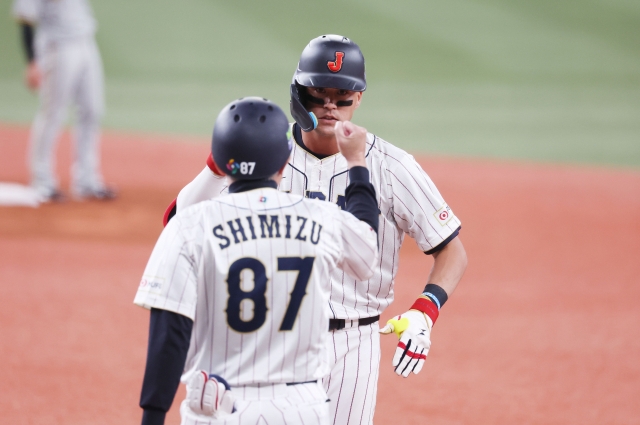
251 139
328 61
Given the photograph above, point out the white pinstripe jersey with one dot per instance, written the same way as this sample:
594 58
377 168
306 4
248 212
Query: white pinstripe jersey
251 269
409 203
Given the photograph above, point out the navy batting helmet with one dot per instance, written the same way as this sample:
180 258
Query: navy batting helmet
329 61
251 139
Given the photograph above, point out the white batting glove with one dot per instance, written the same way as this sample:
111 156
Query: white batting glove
413 328
209 395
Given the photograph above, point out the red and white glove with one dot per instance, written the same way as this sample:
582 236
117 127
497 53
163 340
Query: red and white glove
209 395
413 328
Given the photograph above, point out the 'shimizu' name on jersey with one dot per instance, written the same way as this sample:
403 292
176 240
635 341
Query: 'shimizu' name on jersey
409 203
269 227
250 269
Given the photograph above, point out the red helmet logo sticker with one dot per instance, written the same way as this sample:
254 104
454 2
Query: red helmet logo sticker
336 65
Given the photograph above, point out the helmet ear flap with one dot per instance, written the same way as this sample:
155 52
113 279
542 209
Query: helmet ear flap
305 119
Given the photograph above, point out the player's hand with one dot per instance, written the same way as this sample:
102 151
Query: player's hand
209 395
33 76
414 330
352 142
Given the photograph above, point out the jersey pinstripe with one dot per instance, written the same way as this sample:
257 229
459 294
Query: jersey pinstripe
409 203
251 269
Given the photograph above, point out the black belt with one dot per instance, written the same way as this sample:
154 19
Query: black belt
300 383
337 324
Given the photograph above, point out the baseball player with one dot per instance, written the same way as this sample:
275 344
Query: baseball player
328 87
64 66
238 286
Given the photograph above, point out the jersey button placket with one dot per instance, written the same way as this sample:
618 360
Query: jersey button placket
317 170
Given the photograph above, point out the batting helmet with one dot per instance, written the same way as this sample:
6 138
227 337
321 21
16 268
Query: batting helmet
329 61
251 139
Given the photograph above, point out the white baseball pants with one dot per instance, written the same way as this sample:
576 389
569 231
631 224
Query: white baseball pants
71 74
353 382
279 404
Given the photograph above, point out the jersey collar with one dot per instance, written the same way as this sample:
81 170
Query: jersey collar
297 135
244 185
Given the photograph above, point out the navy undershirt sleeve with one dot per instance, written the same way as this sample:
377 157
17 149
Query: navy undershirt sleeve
27 40
169 336
360 197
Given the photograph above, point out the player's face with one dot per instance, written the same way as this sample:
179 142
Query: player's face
331 111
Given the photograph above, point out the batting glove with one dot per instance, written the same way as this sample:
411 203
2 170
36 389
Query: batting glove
413 328
209 395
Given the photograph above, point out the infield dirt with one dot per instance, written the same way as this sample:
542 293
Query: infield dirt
543 329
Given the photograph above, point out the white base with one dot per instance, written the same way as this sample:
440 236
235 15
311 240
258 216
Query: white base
18 195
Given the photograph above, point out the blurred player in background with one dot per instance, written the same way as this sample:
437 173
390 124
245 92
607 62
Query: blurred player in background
64 66
328 87
238 286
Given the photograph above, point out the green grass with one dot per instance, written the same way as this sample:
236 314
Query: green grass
541 80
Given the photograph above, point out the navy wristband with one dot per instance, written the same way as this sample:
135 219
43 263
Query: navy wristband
436 294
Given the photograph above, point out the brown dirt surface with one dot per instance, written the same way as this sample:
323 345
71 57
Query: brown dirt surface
542 329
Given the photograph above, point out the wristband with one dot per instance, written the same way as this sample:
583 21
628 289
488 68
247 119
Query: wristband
427 307
213 167
436 294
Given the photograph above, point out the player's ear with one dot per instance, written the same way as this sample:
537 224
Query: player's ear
357 99
277 177
278 174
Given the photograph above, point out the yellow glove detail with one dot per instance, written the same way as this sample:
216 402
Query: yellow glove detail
396 325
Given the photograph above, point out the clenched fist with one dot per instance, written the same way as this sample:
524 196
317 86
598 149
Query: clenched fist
352 142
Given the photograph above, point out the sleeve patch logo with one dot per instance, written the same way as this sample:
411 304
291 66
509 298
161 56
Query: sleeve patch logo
443 215
151 284
336 65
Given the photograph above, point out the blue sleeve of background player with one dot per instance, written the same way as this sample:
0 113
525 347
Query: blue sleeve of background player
169 336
